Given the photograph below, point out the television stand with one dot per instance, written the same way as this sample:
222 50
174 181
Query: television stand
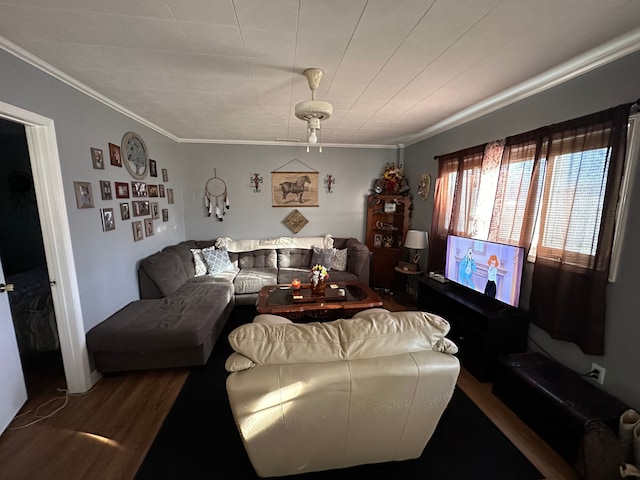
482 328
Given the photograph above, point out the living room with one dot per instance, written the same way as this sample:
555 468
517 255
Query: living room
82 123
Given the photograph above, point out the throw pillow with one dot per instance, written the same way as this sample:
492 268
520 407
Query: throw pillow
217 260
198 261
323 256
340 260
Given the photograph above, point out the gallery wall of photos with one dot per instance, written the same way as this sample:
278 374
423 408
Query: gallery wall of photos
140 202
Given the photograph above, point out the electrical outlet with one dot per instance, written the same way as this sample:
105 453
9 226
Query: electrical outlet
597 373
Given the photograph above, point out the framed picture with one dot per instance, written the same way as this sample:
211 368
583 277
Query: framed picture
138 189
122 189
108 220
165 175
152 190
137 230
155 210
140 208
377 240
169 195
148 226
114 155
97 159
161 190
165 214
153 169
294 189
125 213
84 196
105 190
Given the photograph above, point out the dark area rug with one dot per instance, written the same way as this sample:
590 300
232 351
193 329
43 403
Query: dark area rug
199 439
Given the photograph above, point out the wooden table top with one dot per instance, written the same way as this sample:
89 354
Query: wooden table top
341 300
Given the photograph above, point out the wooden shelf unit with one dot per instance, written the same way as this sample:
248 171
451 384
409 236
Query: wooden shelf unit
387 222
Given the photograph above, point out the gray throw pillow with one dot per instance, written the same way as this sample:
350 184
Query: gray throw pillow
323 256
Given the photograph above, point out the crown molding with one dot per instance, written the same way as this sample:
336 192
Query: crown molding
590 60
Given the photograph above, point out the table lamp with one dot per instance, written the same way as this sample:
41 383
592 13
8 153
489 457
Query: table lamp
416 240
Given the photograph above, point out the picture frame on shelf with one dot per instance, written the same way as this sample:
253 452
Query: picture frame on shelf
84 195
108 220
97 159
377 240
137 230
122 189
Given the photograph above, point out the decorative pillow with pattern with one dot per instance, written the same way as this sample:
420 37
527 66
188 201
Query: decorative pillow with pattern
217 260
339 263
323 256
198 261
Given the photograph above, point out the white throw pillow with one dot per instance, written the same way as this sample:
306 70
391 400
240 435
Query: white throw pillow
198 261
340 260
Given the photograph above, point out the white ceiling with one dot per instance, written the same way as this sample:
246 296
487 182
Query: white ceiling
396 71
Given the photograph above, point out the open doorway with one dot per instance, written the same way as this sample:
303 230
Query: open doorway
54 224
23 260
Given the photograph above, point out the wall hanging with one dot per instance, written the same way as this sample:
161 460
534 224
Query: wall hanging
216 198
297 188
424 185
256 180
295 221
329 181
134 155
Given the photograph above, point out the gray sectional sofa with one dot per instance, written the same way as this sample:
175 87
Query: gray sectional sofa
181 312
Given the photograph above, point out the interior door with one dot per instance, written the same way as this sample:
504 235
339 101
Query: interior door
13 393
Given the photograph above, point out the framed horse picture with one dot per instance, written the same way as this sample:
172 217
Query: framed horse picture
294 189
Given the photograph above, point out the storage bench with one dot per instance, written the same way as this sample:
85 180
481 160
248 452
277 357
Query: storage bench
553 400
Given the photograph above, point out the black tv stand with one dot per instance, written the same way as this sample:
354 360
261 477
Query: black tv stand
482 327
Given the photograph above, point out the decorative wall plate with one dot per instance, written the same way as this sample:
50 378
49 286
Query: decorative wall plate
134 155
295 221
424 186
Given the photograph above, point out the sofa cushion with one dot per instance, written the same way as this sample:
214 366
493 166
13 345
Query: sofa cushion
251 280
182 320
340 260
371 333
166 271
323 256
199 263
183 249
217 260
294 258
258 259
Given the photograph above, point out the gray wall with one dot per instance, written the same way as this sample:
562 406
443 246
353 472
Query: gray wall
606 87
106 261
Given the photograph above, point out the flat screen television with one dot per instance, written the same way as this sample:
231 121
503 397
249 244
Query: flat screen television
493 269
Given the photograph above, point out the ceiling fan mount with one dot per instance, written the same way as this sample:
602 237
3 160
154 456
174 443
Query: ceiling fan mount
313 111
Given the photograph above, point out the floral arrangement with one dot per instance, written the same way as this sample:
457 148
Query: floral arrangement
319 270
392 179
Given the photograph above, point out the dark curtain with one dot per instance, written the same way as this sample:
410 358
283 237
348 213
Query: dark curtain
568 292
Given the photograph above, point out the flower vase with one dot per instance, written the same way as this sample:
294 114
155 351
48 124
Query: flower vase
318 285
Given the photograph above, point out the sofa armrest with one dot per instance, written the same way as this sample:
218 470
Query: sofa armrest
358 259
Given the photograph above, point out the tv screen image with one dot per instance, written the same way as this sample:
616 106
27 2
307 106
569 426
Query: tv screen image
493 269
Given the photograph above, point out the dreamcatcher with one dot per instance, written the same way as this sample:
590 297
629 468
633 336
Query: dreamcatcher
216 199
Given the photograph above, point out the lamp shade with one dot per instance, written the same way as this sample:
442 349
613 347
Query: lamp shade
417 240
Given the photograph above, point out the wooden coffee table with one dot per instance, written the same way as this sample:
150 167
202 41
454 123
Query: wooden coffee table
341 300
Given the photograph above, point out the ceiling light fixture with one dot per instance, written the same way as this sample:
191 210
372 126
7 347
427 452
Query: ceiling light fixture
313 111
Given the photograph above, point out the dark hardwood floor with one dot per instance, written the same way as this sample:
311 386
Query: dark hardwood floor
106 432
